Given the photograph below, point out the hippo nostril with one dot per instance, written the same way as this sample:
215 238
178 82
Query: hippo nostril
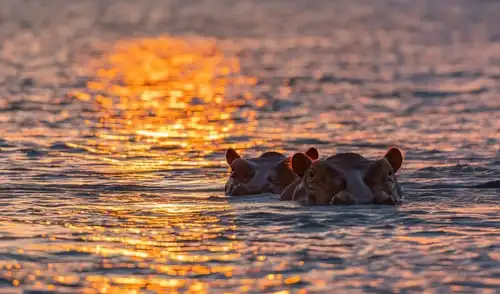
238 191
268 188
311 174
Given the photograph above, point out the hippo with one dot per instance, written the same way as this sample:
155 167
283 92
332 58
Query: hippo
271 172
345 178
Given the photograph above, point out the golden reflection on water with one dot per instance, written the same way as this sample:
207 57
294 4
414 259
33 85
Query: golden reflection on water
167 103
158 247
164 94
171 245
158 99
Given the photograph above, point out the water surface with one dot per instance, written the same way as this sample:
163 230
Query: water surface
114 118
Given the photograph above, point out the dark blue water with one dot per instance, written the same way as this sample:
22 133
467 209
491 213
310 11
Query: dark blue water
114 118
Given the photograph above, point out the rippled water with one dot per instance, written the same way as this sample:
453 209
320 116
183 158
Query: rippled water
114 118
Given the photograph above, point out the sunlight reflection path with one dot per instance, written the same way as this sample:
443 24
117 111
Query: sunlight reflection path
157 96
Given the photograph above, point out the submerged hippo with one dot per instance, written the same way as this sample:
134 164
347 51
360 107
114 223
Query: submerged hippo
270 172
345 178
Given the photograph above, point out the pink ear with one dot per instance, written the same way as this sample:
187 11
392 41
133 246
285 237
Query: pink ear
231 155
395 158
312 153
300 163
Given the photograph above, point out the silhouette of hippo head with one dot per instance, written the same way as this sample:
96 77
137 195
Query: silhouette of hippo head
346 178
270 172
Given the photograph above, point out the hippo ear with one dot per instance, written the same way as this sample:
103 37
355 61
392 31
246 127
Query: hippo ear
395 158
231 155
312 153
300 163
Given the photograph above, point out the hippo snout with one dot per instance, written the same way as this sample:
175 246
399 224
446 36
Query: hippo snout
238 191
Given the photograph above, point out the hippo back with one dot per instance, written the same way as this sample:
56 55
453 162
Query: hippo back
350 161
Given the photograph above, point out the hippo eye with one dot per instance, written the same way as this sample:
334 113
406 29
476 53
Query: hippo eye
241 176
391 173
236 175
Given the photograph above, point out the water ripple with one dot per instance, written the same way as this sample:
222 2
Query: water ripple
115 115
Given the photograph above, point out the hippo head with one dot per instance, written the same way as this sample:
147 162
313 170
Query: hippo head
320 181
347 178
270 172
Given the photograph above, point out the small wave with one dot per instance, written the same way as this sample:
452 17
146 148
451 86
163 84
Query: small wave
34 153
4 143
451 91
489 185
308 141
62 146
85 189
337 80
72 253
5 283
238 138
454 168
363 145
